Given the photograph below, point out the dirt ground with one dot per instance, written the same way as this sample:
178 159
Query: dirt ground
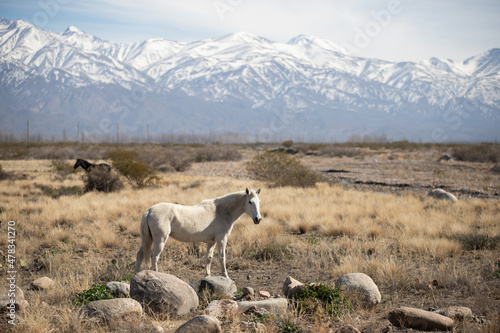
391 172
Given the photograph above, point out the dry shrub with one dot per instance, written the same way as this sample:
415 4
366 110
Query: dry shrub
102 181
210 153
135 170
483 152
4 174
62 169
280 169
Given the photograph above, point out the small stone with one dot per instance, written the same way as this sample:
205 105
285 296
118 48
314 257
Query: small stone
248 291
264 294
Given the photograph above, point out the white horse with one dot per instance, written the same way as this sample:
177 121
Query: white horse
209 221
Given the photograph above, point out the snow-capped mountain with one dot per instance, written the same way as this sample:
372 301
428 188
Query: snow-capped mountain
308 87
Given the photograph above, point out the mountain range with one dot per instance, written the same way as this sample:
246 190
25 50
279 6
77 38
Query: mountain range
308 89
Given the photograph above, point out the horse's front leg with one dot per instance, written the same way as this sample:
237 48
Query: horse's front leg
221 251
210 255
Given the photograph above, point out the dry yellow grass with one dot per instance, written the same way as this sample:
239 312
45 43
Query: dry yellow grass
402 242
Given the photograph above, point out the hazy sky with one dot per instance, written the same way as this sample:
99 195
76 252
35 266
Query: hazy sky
401 30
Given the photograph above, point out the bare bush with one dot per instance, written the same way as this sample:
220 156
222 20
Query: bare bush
136 171
210 153
62 169
477 153
102 181
280 169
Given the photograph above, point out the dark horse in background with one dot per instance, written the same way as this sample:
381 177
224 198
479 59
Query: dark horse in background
87 166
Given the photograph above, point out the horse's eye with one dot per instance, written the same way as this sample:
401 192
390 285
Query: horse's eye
250 202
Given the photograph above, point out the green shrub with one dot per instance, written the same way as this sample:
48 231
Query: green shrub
135 170
280 169
96 293
101 180
287 143
289 327
322 297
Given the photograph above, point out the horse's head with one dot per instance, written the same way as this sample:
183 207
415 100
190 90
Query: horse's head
252 205
78 163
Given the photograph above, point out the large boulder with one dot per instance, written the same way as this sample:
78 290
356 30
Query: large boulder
419 319
163 293
362 284
201 324
216 285
112 310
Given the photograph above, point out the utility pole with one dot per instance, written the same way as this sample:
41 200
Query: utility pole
27 133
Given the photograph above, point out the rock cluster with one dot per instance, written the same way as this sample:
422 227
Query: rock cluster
162 293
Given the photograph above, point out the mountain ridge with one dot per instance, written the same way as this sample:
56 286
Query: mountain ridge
305 76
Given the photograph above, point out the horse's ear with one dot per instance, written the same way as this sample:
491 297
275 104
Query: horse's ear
258 191
248 191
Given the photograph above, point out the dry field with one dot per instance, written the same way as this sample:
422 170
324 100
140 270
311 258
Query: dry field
420 252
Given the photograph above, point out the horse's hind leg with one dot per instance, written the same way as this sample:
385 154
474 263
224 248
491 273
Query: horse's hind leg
138 260
210 255
157 249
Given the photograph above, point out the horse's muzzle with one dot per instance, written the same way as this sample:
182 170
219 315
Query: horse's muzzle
257 220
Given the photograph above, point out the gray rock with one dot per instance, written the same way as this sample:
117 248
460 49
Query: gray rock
441 194
201 324
248 291
291 287
42 283
273 305
119 289
112 310
224 310
163 293
216 285
419 319
456 312
362 284
12 305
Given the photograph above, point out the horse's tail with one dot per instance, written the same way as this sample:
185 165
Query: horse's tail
146 238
